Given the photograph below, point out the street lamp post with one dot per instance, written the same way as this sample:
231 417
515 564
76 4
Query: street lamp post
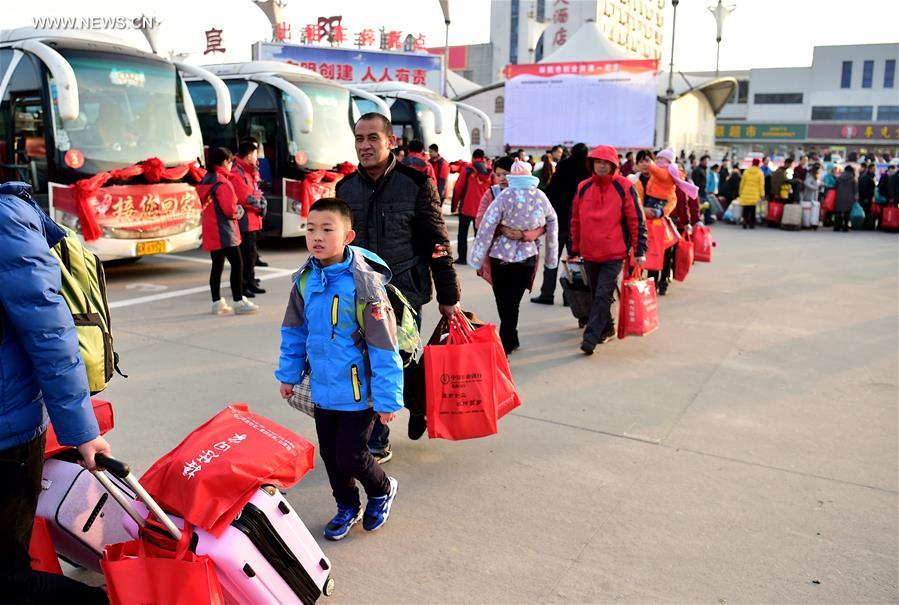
720 12
444 6
669 92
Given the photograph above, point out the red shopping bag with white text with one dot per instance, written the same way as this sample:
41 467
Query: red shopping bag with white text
141 572
702 244
467 383
638 311
209 477
683 258
655 244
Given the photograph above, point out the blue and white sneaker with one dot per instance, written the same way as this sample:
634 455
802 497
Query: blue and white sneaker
378 509
346 517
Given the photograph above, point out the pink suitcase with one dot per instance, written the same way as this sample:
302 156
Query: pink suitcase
266 555
80 515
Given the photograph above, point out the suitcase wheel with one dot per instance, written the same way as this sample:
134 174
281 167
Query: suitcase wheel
328 590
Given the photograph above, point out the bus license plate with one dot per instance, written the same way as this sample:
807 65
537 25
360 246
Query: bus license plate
144 248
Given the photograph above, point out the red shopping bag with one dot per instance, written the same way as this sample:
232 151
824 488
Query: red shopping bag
139 572
41 550
671 234
683 258
105 420
655 244
209 477
830 201
507 398
775 212
638 312
467 392
702 244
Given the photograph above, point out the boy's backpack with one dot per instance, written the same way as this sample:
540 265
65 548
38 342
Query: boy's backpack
407 335
84 290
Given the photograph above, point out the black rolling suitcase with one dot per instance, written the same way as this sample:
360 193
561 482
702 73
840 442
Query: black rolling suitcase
576 290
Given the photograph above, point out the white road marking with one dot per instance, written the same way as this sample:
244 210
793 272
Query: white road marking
143 287
142 300
206 261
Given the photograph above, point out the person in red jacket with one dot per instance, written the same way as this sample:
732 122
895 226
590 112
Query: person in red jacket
245 180
441 169
474 180
607 227
417 159
221 235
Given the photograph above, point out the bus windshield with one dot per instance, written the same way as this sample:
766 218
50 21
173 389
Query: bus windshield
331 139
131 109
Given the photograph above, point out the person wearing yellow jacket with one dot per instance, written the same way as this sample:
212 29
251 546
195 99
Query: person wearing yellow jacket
752 190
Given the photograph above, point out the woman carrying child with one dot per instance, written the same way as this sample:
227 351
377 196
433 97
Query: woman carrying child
513 262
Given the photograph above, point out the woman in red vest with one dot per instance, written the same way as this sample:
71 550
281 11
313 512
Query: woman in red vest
221 235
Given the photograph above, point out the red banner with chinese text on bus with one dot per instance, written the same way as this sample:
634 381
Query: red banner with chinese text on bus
134 207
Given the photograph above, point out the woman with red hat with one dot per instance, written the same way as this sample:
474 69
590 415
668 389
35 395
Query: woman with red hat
607 227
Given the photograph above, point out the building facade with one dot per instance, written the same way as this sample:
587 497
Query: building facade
848 99
635 26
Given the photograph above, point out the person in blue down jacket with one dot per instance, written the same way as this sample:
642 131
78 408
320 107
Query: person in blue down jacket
41 373
339 325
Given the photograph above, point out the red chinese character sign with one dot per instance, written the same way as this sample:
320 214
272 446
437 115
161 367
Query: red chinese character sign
214 41
559 101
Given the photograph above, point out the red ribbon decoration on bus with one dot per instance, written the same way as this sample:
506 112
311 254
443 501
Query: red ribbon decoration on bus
152 169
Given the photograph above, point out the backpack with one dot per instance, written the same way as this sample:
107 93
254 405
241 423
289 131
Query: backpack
84 290
407 335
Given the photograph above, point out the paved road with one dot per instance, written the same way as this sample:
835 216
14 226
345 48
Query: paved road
745 452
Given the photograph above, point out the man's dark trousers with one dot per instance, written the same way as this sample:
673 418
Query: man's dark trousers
551 276
380 433
248 254
20 478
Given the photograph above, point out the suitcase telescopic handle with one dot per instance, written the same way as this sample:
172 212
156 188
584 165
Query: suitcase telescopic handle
123 472
117 468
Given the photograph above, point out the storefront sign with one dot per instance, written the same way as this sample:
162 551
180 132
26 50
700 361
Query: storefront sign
760 132
853 132
353 65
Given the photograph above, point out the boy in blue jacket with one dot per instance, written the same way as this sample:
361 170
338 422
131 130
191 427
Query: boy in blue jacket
340 330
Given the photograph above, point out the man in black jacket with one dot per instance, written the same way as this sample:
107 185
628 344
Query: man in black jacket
570 172
866 187
397 214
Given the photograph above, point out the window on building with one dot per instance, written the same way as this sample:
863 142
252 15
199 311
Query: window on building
846 78
889 73
842 112
475 136
888 113
867 74
499 104
778 98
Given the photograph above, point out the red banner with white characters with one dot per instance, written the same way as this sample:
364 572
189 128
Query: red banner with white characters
581 68
134 207
316 185
153 170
